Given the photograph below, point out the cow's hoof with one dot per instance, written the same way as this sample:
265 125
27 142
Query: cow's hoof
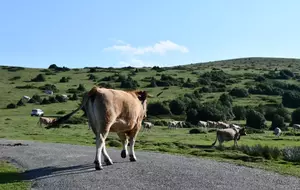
132 158
123 153
98 168
108 162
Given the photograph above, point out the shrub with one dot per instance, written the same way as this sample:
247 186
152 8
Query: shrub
278 121
27 86
177 107
11 106
291 154
239 92
92 77
74 97
81 88
239 112
286 74
15 78
45 101
129 83
259 78
157 108
53 99
60 98
20 103
39 78
291 99
198 131
51 87
263 151
255 119
61 112
64 79
296 116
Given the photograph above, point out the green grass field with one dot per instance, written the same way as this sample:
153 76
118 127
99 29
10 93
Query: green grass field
18 124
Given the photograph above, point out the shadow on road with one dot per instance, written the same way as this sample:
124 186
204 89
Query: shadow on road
45 172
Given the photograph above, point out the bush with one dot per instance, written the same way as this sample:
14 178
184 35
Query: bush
60 98
39 78
64 79
81 88
36 99
11 106
51 87
45 101
53 99
92 77
15 78
157 108
198 131
263 151
239 92
27 86
129 83
20 103
239 112
255 119
61 112
74 97
291 99
278 121
291 154
177 107
296 116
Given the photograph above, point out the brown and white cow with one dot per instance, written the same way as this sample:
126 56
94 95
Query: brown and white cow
110 110
223 125
46 121
229 134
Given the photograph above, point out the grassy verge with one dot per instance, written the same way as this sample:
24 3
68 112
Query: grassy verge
10 177
162 139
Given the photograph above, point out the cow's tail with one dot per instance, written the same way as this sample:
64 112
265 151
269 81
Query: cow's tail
213 144
86 97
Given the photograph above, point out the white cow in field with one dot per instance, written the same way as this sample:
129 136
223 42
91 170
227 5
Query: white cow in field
176 124
202 124
148 125
296 126
26 98
223 125
229 134
277 131
234 126
212 124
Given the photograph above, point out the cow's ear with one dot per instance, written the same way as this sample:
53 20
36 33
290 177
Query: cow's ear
142 95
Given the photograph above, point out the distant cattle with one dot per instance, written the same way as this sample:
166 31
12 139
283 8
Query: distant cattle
212 124
46 121
202 124
65 96
50 92
26 98
234 126
176 124
277 131
296 127
223 125
147 125
228 135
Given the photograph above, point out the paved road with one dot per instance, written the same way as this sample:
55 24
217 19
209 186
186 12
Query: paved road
62 166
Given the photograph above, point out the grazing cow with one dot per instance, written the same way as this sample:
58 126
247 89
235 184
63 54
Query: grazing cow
202 124
296 126
212 124
228 135
223 125
277 131
46 121
110 110
234 126
176 124
148 125
26 98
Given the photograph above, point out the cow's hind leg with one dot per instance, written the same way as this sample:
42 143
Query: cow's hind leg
124 141
132 136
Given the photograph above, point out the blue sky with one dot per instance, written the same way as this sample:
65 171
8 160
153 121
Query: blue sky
76 34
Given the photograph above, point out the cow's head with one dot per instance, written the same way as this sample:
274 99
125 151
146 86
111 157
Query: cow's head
142 96
242 132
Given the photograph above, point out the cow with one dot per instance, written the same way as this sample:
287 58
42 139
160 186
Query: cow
296 126
50 92
277 131
234 126
148 125
176 124
111 110
202 124
222 125
212 124
26 98
46 121
228 135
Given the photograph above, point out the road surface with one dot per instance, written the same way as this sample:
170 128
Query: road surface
63 166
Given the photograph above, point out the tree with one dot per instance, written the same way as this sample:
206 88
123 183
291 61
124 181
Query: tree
239 112
278 121
255 119
296 116
239 92
177 107
39 78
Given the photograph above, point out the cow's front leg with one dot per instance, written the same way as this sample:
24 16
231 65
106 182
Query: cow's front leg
124 141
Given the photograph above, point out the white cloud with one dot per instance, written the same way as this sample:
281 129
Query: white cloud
159 48
136 63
